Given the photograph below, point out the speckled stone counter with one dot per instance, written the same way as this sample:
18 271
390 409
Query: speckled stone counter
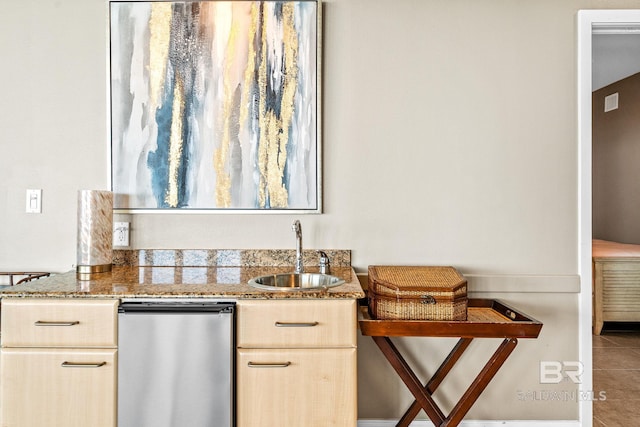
192 274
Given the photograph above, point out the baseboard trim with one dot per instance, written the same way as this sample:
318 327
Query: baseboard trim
532 423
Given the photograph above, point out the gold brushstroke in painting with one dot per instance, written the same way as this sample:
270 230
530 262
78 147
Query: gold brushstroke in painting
274 131
221 154
250 68
160 34
175 144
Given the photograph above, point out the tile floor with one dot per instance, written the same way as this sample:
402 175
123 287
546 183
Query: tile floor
616 371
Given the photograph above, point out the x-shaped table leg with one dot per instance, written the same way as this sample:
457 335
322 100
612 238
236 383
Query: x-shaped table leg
436 379
423 393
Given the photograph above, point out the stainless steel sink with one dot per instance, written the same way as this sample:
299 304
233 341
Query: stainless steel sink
296 282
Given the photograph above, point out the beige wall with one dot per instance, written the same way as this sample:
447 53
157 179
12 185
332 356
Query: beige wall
449 138
616 156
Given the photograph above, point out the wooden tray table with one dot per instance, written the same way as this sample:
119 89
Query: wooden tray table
485 319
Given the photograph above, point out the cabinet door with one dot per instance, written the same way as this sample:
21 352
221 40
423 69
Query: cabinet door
70 388
296 387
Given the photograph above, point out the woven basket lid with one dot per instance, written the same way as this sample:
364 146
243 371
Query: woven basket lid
417 277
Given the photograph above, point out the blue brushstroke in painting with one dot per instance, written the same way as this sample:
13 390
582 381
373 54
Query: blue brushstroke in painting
182 66
158 160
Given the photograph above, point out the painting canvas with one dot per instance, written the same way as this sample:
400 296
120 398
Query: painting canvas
214 105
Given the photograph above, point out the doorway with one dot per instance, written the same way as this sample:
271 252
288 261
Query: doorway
588 20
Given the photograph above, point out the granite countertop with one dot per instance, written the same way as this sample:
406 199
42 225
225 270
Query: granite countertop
192 274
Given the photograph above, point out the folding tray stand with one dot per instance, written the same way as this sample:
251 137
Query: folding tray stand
485 319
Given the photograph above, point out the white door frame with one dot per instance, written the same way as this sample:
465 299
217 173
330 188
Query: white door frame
587 19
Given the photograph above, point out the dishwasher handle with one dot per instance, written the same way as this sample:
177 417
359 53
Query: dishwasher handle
176 307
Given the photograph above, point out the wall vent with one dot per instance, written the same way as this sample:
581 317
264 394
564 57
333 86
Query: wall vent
611 102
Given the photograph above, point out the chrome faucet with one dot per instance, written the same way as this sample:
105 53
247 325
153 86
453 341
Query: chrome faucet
323 264
297 228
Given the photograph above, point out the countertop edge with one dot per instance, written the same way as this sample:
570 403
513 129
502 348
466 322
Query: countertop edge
138 283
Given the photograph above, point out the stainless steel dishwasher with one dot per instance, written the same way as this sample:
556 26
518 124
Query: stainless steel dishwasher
175 363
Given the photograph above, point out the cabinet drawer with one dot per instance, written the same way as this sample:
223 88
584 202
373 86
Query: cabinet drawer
300 387
58 323
51 387
296 323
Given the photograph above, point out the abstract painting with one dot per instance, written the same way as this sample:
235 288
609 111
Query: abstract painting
214 105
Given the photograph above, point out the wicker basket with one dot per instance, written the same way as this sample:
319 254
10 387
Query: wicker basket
417 293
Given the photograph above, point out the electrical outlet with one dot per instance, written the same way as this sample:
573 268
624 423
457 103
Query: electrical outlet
121 234
34 201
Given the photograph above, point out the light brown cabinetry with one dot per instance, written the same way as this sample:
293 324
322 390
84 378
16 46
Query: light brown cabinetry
58 363
296 363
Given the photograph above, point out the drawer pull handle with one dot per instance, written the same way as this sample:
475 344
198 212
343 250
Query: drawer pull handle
43 323
296 324
268 365
82 365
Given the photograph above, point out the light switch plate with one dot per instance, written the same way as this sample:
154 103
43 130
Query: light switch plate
34 201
